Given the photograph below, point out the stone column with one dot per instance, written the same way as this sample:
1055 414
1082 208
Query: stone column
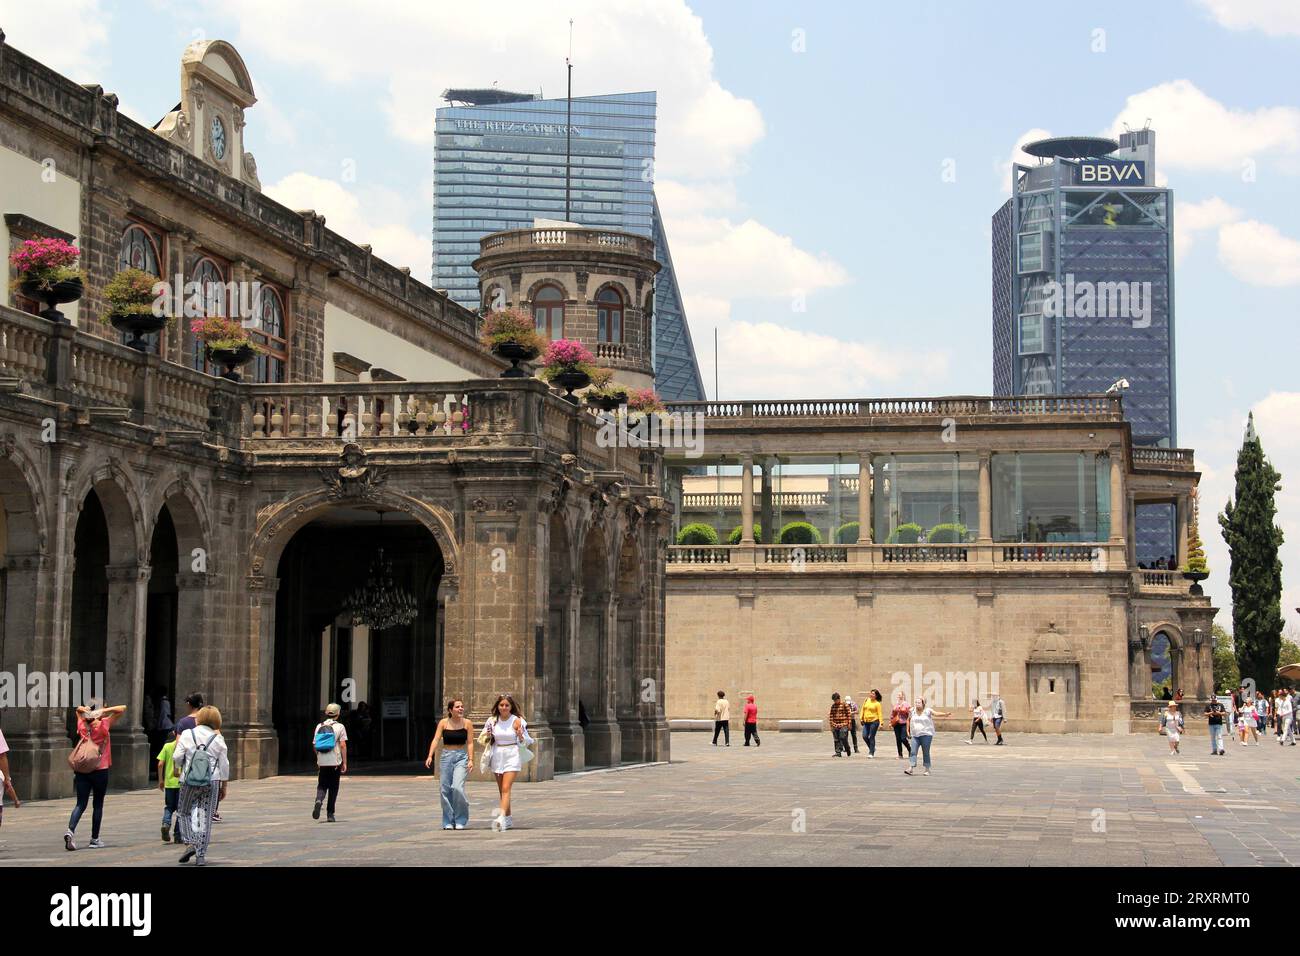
747 499
986 498
766 502
570 751
602 741
866 513
1116 495
172 340
257 746
1183 510
1131 527
128 590
832 538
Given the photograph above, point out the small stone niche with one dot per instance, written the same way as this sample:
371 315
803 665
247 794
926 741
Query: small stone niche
1052 672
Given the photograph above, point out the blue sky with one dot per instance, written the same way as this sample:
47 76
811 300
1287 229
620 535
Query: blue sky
801 148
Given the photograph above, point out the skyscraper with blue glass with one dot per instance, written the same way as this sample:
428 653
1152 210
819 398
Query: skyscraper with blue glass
1083 281
500 163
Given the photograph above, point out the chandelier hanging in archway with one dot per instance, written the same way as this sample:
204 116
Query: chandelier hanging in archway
380 603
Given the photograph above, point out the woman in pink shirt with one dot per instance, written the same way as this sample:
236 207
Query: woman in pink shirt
93 724
751 721
898 720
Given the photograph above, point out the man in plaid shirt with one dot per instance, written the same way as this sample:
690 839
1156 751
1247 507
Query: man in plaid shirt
841 719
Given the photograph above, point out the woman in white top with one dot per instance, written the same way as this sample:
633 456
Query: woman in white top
200 799
504 730
920 728
1172 722
977 716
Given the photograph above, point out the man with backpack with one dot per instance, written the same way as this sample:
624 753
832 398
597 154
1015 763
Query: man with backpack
330 741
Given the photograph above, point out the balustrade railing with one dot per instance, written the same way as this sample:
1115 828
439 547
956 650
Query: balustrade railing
796 554
24 346
1179 459
355 411
700 554
923 553
1070 406
889 558
1038 553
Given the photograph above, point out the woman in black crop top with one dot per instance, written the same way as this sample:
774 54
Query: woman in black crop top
456 734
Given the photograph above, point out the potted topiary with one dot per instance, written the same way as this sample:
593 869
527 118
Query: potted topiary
226 342
510 334
847 533
909 533
697 533
800 532
568 364
130 297
1197 569
47 272
951 532
605 393
738 531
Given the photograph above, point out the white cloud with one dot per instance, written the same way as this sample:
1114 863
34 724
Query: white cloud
418 49
1003 167
1274 17
1256 253
74 42
1195 131
372 217
1193 218
1276 418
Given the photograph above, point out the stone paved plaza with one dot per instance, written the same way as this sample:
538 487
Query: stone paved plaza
1032 802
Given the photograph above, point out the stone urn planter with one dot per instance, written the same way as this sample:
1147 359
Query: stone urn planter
515 353
607 403
59 293
231 359
571 382
1196 577
138 326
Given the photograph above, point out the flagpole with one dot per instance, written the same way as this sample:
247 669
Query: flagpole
568 127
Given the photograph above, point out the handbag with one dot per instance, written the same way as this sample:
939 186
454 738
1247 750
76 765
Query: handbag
85 756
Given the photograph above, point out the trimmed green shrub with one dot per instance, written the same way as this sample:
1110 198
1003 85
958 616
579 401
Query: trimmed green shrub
847 533
949 533
800 532
697 534
738 530
909 533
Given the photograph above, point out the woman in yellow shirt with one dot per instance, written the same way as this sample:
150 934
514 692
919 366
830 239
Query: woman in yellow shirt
870 720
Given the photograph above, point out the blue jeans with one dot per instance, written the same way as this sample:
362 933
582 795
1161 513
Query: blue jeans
1216 738
919 743
869 735
171 799
452 770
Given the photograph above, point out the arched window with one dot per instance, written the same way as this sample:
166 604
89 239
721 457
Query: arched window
271 333
212 290
609 316
548 312
139 250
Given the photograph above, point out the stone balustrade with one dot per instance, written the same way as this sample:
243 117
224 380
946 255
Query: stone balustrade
1097 407
993 557
567 238
1163 459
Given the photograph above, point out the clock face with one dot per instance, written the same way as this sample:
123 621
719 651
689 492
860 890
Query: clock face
218 136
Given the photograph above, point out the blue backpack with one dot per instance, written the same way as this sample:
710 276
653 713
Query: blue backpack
325 740
200 767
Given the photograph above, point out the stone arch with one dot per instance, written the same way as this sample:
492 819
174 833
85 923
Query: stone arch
629 300
24 504
274 530
189 515
548 279
212 55
122 510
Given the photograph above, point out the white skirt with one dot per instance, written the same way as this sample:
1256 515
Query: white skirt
505 758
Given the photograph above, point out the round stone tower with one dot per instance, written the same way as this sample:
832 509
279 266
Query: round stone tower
593 285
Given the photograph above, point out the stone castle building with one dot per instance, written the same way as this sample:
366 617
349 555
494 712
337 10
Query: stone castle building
177 531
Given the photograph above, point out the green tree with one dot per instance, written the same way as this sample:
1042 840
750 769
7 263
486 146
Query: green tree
1253 540
1227 677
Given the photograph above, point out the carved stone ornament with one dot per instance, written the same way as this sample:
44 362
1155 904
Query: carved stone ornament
184 128
197 93
354 477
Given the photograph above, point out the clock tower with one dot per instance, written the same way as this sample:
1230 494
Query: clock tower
209 120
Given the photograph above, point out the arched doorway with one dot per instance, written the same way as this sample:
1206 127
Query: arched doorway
388 681
559 660
1162 664
601 740
160 632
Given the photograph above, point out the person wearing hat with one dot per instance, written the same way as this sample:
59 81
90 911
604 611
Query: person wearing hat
1172 723
330 741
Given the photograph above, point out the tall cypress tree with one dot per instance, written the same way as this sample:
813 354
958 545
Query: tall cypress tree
1253 541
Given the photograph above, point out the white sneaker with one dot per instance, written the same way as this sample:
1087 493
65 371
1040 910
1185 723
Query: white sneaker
95 844
507 823
448 826
970 741
926 774
459 826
